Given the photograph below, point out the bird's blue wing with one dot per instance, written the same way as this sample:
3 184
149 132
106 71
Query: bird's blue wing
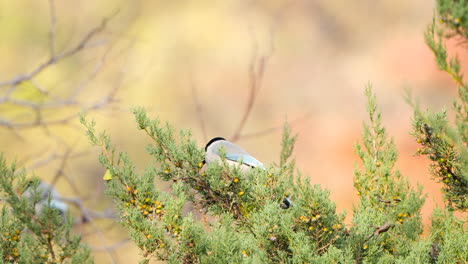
60 206
246 159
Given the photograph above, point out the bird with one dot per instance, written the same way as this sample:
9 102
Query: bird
233 154
286 203
43 191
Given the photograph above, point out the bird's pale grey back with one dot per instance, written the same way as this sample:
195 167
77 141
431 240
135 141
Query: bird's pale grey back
234 154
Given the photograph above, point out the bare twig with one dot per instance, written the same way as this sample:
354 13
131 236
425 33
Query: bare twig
198 106
381 229
87 215
56 58
115 246
53 157
257 69
274 129
53 21
38 118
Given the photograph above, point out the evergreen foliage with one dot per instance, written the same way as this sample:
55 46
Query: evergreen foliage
31 236
389 208
445 144
454 14
246 222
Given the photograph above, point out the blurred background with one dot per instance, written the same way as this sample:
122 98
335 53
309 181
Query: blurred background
196 65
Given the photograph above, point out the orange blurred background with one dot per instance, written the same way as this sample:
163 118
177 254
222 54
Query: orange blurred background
323 54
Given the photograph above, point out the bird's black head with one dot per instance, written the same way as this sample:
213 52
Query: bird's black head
212 141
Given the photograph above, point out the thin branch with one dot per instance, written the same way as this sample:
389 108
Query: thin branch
381 229
57 58
87 216
39 121
115 246
53 22
257 69
54 59
198 106
37 117
71 101
55 156
274 129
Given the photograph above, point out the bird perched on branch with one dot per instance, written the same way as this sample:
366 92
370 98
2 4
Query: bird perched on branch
42 193
234 155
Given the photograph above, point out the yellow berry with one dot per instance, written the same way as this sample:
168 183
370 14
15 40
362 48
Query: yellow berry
240 193
236 180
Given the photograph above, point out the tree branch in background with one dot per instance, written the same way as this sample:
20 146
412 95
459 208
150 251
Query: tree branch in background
56 103
275 128
257 67
39 111
198 106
